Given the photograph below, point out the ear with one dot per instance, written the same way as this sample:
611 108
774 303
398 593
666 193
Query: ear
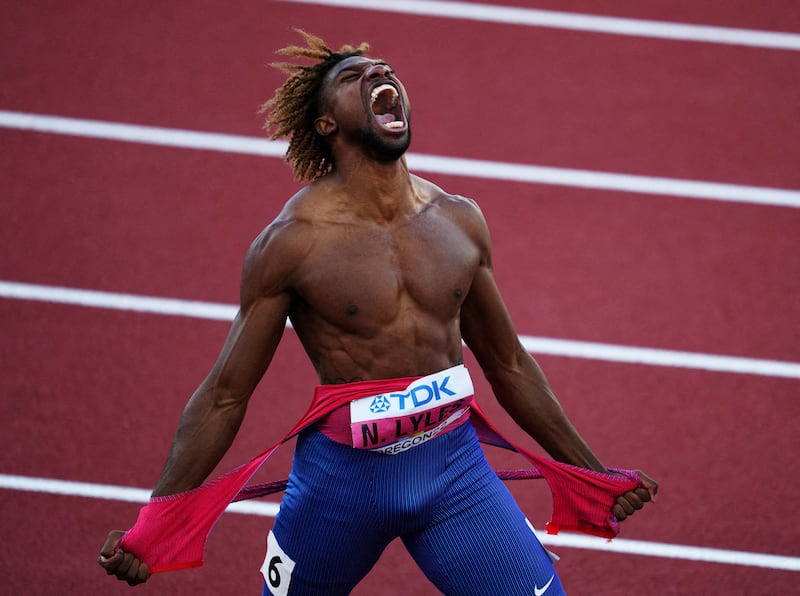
325 125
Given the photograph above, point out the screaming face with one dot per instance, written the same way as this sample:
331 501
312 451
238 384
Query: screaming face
370 107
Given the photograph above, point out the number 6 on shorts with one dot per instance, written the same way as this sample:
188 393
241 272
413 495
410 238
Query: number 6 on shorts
277 568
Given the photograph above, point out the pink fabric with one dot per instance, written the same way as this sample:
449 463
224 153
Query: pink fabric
582 499
336 426
171 531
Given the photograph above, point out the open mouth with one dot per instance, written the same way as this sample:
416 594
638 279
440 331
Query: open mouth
386 108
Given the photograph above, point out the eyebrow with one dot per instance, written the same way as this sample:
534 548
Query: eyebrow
358 67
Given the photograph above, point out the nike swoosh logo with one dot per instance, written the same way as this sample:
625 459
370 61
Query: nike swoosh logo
539 591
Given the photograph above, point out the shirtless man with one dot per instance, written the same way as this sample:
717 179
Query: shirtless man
382 274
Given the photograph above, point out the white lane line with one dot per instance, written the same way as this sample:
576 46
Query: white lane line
453 166
674 551
648 185
659 357
119 301
575 21
136 133
270 509
110 492
537 345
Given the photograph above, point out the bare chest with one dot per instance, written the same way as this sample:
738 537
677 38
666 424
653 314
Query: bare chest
357 275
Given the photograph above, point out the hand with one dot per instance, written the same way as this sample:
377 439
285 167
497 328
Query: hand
121 564
634 500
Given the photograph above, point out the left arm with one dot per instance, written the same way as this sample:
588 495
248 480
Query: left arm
518 382
516 378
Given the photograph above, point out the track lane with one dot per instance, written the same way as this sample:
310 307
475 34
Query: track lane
774 16
215 311
133 82
600 266
66 533
600 102
116 354
119 382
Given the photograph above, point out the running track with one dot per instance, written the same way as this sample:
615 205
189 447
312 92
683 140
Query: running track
642 192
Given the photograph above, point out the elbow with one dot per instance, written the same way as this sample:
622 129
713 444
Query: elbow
223 396
507 364
229 398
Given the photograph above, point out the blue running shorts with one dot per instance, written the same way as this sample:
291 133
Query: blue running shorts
457 519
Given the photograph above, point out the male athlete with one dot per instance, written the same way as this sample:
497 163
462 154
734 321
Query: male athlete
382 275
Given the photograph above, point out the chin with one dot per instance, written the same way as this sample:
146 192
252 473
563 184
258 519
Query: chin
386 150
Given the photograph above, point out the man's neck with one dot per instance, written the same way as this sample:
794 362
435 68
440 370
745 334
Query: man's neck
381 191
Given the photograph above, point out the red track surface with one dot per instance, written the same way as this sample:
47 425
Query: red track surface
94 395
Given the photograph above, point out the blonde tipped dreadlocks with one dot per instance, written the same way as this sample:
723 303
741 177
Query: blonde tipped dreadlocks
296 105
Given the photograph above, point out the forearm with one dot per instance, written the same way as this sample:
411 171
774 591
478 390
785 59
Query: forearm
524 393
206 430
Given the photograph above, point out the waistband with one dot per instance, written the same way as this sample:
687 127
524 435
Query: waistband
393 415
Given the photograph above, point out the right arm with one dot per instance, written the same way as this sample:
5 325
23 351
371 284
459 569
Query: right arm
215 411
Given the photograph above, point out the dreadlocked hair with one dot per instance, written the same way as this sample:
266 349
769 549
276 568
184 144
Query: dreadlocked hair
296 104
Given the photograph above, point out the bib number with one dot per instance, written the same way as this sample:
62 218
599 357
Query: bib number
277 568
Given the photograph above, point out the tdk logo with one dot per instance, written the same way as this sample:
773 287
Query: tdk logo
380 404
407 415
418 396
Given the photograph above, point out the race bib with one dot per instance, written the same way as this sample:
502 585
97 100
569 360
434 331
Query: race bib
394 422
277 568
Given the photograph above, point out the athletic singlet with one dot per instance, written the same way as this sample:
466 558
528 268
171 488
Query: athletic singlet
171 531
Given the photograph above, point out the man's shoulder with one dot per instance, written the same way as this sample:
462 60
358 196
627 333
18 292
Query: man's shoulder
435 195
311 204
463 211
460 209
301 203
277 251
287 231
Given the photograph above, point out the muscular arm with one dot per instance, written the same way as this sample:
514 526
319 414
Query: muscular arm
516 379
519 383
214 413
